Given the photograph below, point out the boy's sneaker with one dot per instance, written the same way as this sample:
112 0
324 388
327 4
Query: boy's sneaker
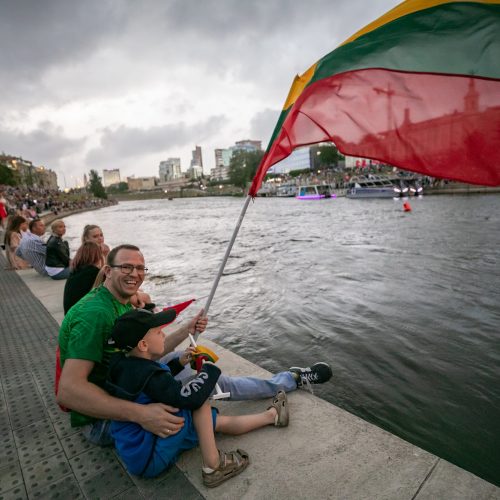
319 373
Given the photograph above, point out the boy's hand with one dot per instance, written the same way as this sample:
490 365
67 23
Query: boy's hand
187 355
198 324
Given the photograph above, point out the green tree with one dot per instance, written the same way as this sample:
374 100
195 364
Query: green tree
7 176
120 187
95 185
326 156
243 166
296 173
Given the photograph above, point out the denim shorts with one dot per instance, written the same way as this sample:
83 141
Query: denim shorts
98 433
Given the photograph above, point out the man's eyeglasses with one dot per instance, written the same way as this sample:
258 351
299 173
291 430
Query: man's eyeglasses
128 268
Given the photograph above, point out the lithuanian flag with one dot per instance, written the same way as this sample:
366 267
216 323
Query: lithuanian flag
418 88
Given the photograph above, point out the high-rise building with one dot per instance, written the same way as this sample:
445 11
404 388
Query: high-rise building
170 169
220 173
223 157
299 159
110 177
248 145
196 160
194 172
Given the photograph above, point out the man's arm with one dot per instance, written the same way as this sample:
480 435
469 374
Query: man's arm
77 393
177 335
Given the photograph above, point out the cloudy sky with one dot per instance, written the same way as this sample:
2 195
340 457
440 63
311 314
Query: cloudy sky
100 84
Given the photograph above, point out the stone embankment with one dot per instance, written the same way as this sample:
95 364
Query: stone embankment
49 217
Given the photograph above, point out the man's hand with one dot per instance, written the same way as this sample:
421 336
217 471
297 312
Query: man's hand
199 323
158 418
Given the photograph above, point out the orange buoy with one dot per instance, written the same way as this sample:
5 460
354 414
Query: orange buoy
406 207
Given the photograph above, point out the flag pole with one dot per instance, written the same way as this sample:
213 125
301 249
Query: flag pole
226 256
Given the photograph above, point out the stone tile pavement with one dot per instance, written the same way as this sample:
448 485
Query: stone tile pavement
41 456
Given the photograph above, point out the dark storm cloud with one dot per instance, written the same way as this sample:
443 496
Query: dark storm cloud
36 35
129 142
39 35
46 145
230 18
260 42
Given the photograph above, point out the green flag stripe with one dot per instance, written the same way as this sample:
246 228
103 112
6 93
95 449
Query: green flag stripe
454 38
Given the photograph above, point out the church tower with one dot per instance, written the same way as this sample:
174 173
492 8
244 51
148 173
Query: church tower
471 99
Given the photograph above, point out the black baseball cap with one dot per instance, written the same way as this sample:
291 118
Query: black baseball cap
132 326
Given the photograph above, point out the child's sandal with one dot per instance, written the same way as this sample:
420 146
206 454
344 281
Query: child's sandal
280 403
230 464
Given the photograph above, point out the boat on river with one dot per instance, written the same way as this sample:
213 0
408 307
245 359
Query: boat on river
286 191
404 190
371 186
315 192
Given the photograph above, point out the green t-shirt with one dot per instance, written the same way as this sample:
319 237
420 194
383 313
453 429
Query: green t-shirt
84 333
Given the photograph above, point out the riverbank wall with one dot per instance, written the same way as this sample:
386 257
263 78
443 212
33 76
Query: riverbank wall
49 217
324 453
454 188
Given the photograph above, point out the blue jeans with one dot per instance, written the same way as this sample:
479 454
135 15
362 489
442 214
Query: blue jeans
64 274
243 388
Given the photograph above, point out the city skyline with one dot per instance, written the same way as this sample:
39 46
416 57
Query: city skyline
103 85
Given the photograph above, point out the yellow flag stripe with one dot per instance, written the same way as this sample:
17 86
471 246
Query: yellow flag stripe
405 8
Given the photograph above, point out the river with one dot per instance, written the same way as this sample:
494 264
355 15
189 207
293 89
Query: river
404 306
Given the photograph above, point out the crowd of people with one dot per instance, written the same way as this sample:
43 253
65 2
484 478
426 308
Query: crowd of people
22 228
34 202
118 372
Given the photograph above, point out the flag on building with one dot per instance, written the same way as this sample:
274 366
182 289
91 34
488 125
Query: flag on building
418 88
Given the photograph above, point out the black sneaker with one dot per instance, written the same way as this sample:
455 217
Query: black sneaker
319 373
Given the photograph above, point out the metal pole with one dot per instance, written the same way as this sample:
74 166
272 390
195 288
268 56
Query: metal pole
226 256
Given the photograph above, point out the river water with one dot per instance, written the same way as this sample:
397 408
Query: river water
405 306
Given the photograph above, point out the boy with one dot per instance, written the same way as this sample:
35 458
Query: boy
137 376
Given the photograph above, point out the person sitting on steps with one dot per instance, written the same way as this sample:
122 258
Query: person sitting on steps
32 248
57 260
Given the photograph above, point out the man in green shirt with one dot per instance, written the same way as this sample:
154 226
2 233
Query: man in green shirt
84 353
84 334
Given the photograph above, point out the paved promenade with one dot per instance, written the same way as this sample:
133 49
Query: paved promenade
324 453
